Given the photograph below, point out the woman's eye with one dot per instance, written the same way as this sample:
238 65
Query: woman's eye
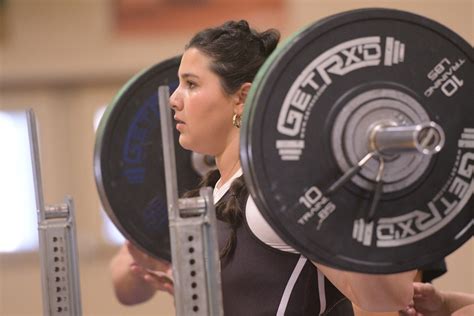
191 84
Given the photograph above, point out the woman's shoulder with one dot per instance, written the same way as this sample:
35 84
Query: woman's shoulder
262 230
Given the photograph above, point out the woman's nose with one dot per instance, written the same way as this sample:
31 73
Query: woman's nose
174 100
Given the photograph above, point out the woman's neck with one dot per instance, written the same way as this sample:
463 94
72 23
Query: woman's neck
228 162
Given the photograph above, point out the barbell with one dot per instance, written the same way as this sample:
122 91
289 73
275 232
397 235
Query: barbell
357 144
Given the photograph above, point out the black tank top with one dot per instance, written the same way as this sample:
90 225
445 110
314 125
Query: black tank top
259 280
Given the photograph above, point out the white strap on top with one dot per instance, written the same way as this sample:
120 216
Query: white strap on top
257 223
219 192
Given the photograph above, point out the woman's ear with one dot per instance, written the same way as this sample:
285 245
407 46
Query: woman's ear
241 97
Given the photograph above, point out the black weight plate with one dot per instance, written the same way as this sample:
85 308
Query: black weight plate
128 161
290 114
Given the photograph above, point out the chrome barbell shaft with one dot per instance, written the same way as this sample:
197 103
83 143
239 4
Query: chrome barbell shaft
426 138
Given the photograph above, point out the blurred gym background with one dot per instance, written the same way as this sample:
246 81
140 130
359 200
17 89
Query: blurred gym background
66 59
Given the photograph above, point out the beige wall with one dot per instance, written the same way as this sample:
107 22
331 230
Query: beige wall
62 59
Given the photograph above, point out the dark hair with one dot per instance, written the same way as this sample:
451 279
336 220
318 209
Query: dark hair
228 209
237 51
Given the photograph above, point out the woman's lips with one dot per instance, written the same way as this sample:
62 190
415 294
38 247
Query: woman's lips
179 123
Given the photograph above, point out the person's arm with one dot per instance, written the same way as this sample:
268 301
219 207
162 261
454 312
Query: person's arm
454 301
430 301
373 292
136 276
370 292
465 311
360 312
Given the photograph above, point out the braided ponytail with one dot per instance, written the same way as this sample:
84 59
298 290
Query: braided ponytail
228 209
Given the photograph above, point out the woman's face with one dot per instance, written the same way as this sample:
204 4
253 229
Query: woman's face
203 110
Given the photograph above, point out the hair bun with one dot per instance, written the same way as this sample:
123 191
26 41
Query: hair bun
237 28
243 25
269 39
236 51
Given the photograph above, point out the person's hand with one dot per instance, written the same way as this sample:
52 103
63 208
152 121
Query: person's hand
427 301
156 273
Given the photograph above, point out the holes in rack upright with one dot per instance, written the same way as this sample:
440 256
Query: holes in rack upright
193 273
59 273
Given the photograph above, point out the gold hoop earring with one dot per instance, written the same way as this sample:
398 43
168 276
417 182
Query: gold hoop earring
236 120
